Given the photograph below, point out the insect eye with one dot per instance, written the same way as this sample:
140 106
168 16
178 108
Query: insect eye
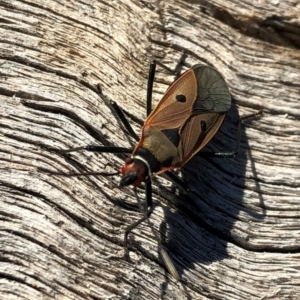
181 98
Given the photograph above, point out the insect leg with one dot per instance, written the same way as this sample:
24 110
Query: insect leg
177 181
119 111
147 212
123 119
164 255
151 75
77 174
235 152
168 263
93 148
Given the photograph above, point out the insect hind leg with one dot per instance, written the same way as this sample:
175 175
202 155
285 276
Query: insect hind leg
234 153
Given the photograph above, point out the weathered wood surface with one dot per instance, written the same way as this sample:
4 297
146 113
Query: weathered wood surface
236 236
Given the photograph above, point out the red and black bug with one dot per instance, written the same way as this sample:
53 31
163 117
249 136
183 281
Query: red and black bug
184 121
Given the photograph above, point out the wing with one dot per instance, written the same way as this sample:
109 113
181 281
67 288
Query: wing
199 90
187 117
176 105
193 137
213 94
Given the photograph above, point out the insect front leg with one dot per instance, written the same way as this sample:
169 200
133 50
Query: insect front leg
147 212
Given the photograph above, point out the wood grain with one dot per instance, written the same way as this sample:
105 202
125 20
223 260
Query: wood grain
235 236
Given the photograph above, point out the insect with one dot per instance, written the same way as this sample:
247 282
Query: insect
184 121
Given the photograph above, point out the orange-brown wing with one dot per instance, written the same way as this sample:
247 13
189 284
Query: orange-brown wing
209 111
199 90
192 136
176 105
173 132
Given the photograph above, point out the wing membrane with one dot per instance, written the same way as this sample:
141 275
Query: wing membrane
212 94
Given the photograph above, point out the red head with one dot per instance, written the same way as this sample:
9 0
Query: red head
134 172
